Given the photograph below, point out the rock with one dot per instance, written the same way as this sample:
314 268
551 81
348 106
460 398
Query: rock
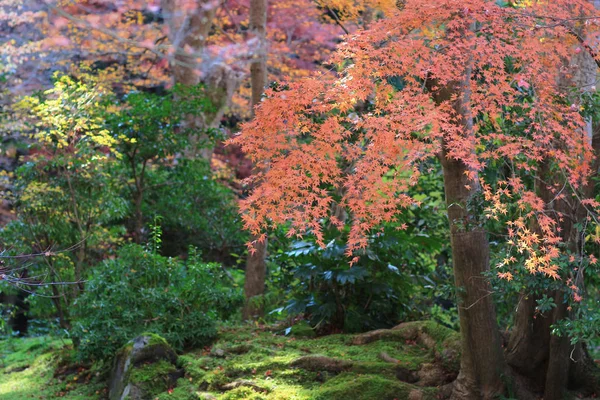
415 395
219 353
206 396
147 358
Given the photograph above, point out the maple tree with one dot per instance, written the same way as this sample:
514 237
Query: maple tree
532 338
470 82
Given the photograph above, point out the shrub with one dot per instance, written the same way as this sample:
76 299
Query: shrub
398 277
196 210
142 291
335 296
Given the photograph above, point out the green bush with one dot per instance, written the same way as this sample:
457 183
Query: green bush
335 296
196 210
142 291
398 277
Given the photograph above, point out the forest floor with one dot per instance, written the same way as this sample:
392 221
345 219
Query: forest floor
249 362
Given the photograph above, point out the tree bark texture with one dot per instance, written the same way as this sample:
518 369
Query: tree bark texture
192 65
256 268
482 368
482 362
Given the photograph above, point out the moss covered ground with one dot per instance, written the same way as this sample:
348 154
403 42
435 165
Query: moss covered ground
246 362
43 368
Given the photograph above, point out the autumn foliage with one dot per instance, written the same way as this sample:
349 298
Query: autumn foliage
358 140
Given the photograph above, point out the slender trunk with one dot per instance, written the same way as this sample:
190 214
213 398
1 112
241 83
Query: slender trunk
254 285
79 266
137 192
63 320
138 223
256 268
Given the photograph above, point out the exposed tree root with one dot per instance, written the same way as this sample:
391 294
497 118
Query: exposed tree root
430 374
445 351
584 373
322 363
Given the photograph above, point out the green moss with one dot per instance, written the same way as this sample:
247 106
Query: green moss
243 393
216 378
195 367
255 355
155 339
183 391
27 368
375 368
350 386
153 379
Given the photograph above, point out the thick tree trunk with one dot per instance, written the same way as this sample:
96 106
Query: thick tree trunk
529 343
188 32
482 368
557 373
256 268
482 362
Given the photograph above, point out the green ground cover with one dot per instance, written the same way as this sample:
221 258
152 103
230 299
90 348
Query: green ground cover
245 363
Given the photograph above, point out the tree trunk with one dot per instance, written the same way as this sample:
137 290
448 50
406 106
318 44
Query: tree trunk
138 218
529 341
63 319
254 285
18 320
188 32
256 268
557 373
482 363
482 368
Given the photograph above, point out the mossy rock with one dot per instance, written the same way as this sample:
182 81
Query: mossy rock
143 367
350 386
149 380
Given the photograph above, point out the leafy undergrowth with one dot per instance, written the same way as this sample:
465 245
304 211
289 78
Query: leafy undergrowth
249 363
43 368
